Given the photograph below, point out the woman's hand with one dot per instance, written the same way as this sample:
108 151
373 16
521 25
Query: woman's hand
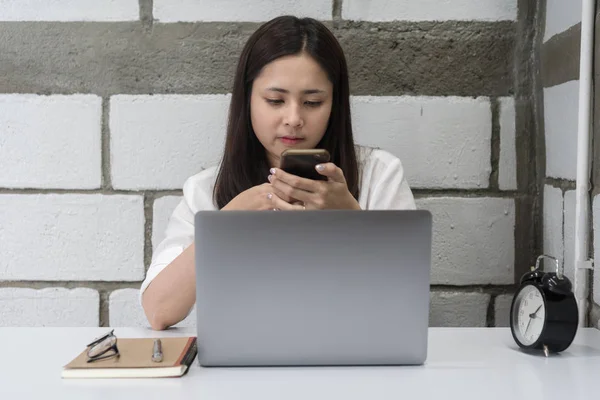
315 195
260 197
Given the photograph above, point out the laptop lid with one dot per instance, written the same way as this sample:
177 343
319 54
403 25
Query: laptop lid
312 287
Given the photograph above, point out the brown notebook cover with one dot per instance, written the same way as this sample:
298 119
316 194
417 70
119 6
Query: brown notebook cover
135 360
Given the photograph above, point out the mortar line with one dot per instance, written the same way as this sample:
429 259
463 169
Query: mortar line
111 286
96 285
157 193
148 222
463 193
103 309
491 312
147 14
105 145
559 183
336 10
495 144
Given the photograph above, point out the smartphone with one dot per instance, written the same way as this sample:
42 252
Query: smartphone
303 162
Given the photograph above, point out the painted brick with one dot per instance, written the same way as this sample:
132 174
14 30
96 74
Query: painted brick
231 10
560 16
507 172
50 141
69 10
180 134
444 142
71 237
126 311
502 310
163 208
596 283
560 122
175 150
553 224
569 235
54 307
473 240
427 10
449 309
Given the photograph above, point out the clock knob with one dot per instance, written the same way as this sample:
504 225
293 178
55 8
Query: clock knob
536 274
532 276
554 283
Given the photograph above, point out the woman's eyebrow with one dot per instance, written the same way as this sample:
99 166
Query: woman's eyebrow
307 91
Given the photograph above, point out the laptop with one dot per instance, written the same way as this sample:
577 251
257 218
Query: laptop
312 288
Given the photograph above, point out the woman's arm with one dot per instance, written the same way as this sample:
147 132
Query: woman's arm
172 293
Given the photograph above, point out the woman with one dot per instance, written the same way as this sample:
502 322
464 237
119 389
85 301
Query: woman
290 90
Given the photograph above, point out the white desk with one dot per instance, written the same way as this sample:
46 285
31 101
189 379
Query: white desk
463 363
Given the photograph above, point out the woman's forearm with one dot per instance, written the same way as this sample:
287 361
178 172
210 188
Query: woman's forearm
172 293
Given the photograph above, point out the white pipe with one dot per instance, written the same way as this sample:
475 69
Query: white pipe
582 207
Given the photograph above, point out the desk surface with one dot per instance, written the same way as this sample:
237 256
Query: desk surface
462 363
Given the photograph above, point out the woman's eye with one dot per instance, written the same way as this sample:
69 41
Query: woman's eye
274 101
313 103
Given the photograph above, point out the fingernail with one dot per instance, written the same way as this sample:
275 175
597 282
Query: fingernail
272 170
269 196
270 178
320 167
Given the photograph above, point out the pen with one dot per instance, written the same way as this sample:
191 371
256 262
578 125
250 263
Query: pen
157 355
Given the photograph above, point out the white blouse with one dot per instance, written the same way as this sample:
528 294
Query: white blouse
383 186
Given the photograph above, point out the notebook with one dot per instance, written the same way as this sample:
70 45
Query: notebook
135 360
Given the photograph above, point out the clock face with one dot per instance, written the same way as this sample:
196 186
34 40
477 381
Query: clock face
529 314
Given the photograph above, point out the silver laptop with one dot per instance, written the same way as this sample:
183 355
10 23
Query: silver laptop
312 288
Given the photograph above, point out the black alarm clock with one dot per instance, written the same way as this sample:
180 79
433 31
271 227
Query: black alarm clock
543 314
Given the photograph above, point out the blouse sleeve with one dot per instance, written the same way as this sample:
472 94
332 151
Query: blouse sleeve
179 234
388 188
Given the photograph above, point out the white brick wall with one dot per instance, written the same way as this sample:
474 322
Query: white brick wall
163 208
69 10
50 141
125 310
426 10
180 134
458 309
49 307
561 104
507 172
596 226
184 133
71 237
233 10
444 142
552 223
473 240
560 16
569 234
502 310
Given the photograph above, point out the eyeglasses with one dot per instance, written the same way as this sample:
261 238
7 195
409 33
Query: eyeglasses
103 347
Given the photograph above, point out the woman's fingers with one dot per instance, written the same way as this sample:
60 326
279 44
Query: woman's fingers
308 185
279 204
289 190
333 172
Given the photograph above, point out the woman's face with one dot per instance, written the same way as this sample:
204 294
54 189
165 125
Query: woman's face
290 105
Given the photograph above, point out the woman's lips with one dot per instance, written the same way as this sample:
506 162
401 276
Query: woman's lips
291 140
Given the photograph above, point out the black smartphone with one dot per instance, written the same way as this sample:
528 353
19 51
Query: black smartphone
302 162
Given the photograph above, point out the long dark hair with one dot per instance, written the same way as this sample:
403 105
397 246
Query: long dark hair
244 163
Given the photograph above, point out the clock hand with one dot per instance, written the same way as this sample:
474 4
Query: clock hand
534 314
529 323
